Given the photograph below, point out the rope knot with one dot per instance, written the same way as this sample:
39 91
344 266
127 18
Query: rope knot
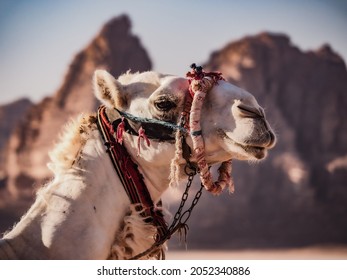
199 80
120 131
142 135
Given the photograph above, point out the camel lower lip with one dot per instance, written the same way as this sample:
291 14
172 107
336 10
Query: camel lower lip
256 151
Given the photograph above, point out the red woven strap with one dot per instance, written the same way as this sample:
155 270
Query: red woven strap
130 176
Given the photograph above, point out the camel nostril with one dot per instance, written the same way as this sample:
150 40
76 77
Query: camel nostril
272 139
250 112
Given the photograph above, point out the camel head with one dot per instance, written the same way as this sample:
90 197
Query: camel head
233 124
236 123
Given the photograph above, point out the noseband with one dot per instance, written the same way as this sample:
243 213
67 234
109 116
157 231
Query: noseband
155 129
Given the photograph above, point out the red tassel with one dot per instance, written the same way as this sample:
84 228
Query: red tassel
142 135
120 131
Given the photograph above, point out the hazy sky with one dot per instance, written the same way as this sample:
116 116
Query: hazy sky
39 38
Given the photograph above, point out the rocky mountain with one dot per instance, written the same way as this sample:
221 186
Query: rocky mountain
298 195
116 49
10 115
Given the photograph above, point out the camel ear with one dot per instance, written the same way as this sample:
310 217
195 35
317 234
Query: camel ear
108 90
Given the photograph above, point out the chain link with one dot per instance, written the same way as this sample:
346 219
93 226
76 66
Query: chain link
184 199
188 212
180 219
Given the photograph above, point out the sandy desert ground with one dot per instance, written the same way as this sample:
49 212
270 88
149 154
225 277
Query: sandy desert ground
307 253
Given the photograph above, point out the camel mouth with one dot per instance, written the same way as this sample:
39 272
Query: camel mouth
246 151
256 151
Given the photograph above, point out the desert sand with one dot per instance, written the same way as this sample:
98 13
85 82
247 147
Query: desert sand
306 253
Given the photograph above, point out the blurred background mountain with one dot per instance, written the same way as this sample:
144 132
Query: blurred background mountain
296 197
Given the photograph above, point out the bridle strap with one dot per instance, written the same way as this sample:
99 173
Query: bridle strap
155 129
142 120
130 176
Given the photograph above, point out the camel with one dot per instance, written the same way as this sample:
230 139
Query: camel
84 212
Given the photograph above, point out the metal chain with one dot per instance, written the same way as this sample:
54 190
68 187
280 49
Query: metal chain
178 221
191 172
189 211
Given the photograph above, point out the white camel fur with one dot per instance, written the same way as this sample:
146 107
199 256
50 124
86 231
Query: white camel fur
84 212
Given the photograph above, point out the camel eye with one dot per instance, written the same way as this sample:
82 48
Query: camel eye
165 105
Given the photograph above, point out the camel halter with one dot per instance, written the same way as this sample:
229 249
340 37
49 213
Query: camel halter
200 83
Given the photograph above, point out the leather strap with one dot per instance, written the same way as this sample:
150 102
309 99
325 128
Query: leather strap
131 178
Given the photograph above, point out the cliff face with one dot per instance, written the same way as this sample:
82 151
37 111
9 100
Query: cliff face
114 49
10 115
298 195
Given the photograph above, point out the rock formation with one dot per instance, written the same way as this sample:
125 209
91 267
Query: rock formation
10 115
